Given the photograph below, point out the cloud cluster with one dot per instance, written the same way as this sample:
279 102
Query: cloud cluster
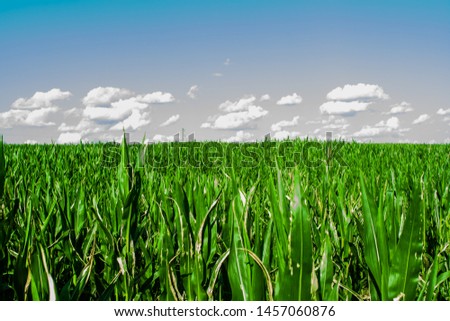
33 111
103 96
351 99
285 123
390 126
239 114
293 99
443 112
41 99
111 109
401 108
361 92
344 108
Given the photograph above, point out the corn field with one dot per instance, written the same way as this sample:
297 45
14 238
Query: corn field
188 221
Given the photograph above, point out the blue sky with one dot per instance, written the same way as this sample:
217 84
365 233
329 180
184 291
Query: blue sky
137 60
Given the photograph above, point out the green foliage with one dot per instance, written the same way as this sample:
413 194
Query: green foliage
144 222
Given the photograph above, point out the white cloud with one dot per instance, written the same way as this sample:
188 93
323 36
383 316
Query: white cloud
136 120
293 99
69 138
102 96
392 123
227 62
360 91
240 105
85 126
41 99
119 110
35 117
240 136
157 97
345 108
217 74
390 126
422 118
34 111
120 113
38 117
172 119
368 131
282 135
192 93
30 142
162 138
443 112
285 123
401 108
264 97
239 114
236 120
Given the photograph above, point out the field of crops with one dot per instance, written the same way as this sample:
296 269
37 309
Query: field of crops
297 220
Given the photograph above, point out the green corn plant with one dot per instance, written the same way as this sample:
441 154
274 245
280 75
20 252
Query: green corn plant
294 244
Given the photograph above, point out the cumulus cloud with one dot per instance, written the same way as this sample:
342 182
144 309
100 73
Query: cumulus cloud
192 93
227 62
351 99
116 108
282 135
240 105
239 114
84 126
217 74
162 138
390 126
172 119
34 111
443 112
157 97
421 119
264 97
136 120
35 117
41 99
236 120
293 99
360 91
240 137
401 108
69 138
391 123
345 108
285 123
101 96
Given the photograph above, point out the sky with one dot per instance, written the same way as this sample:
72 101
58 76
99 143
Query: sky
232 70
